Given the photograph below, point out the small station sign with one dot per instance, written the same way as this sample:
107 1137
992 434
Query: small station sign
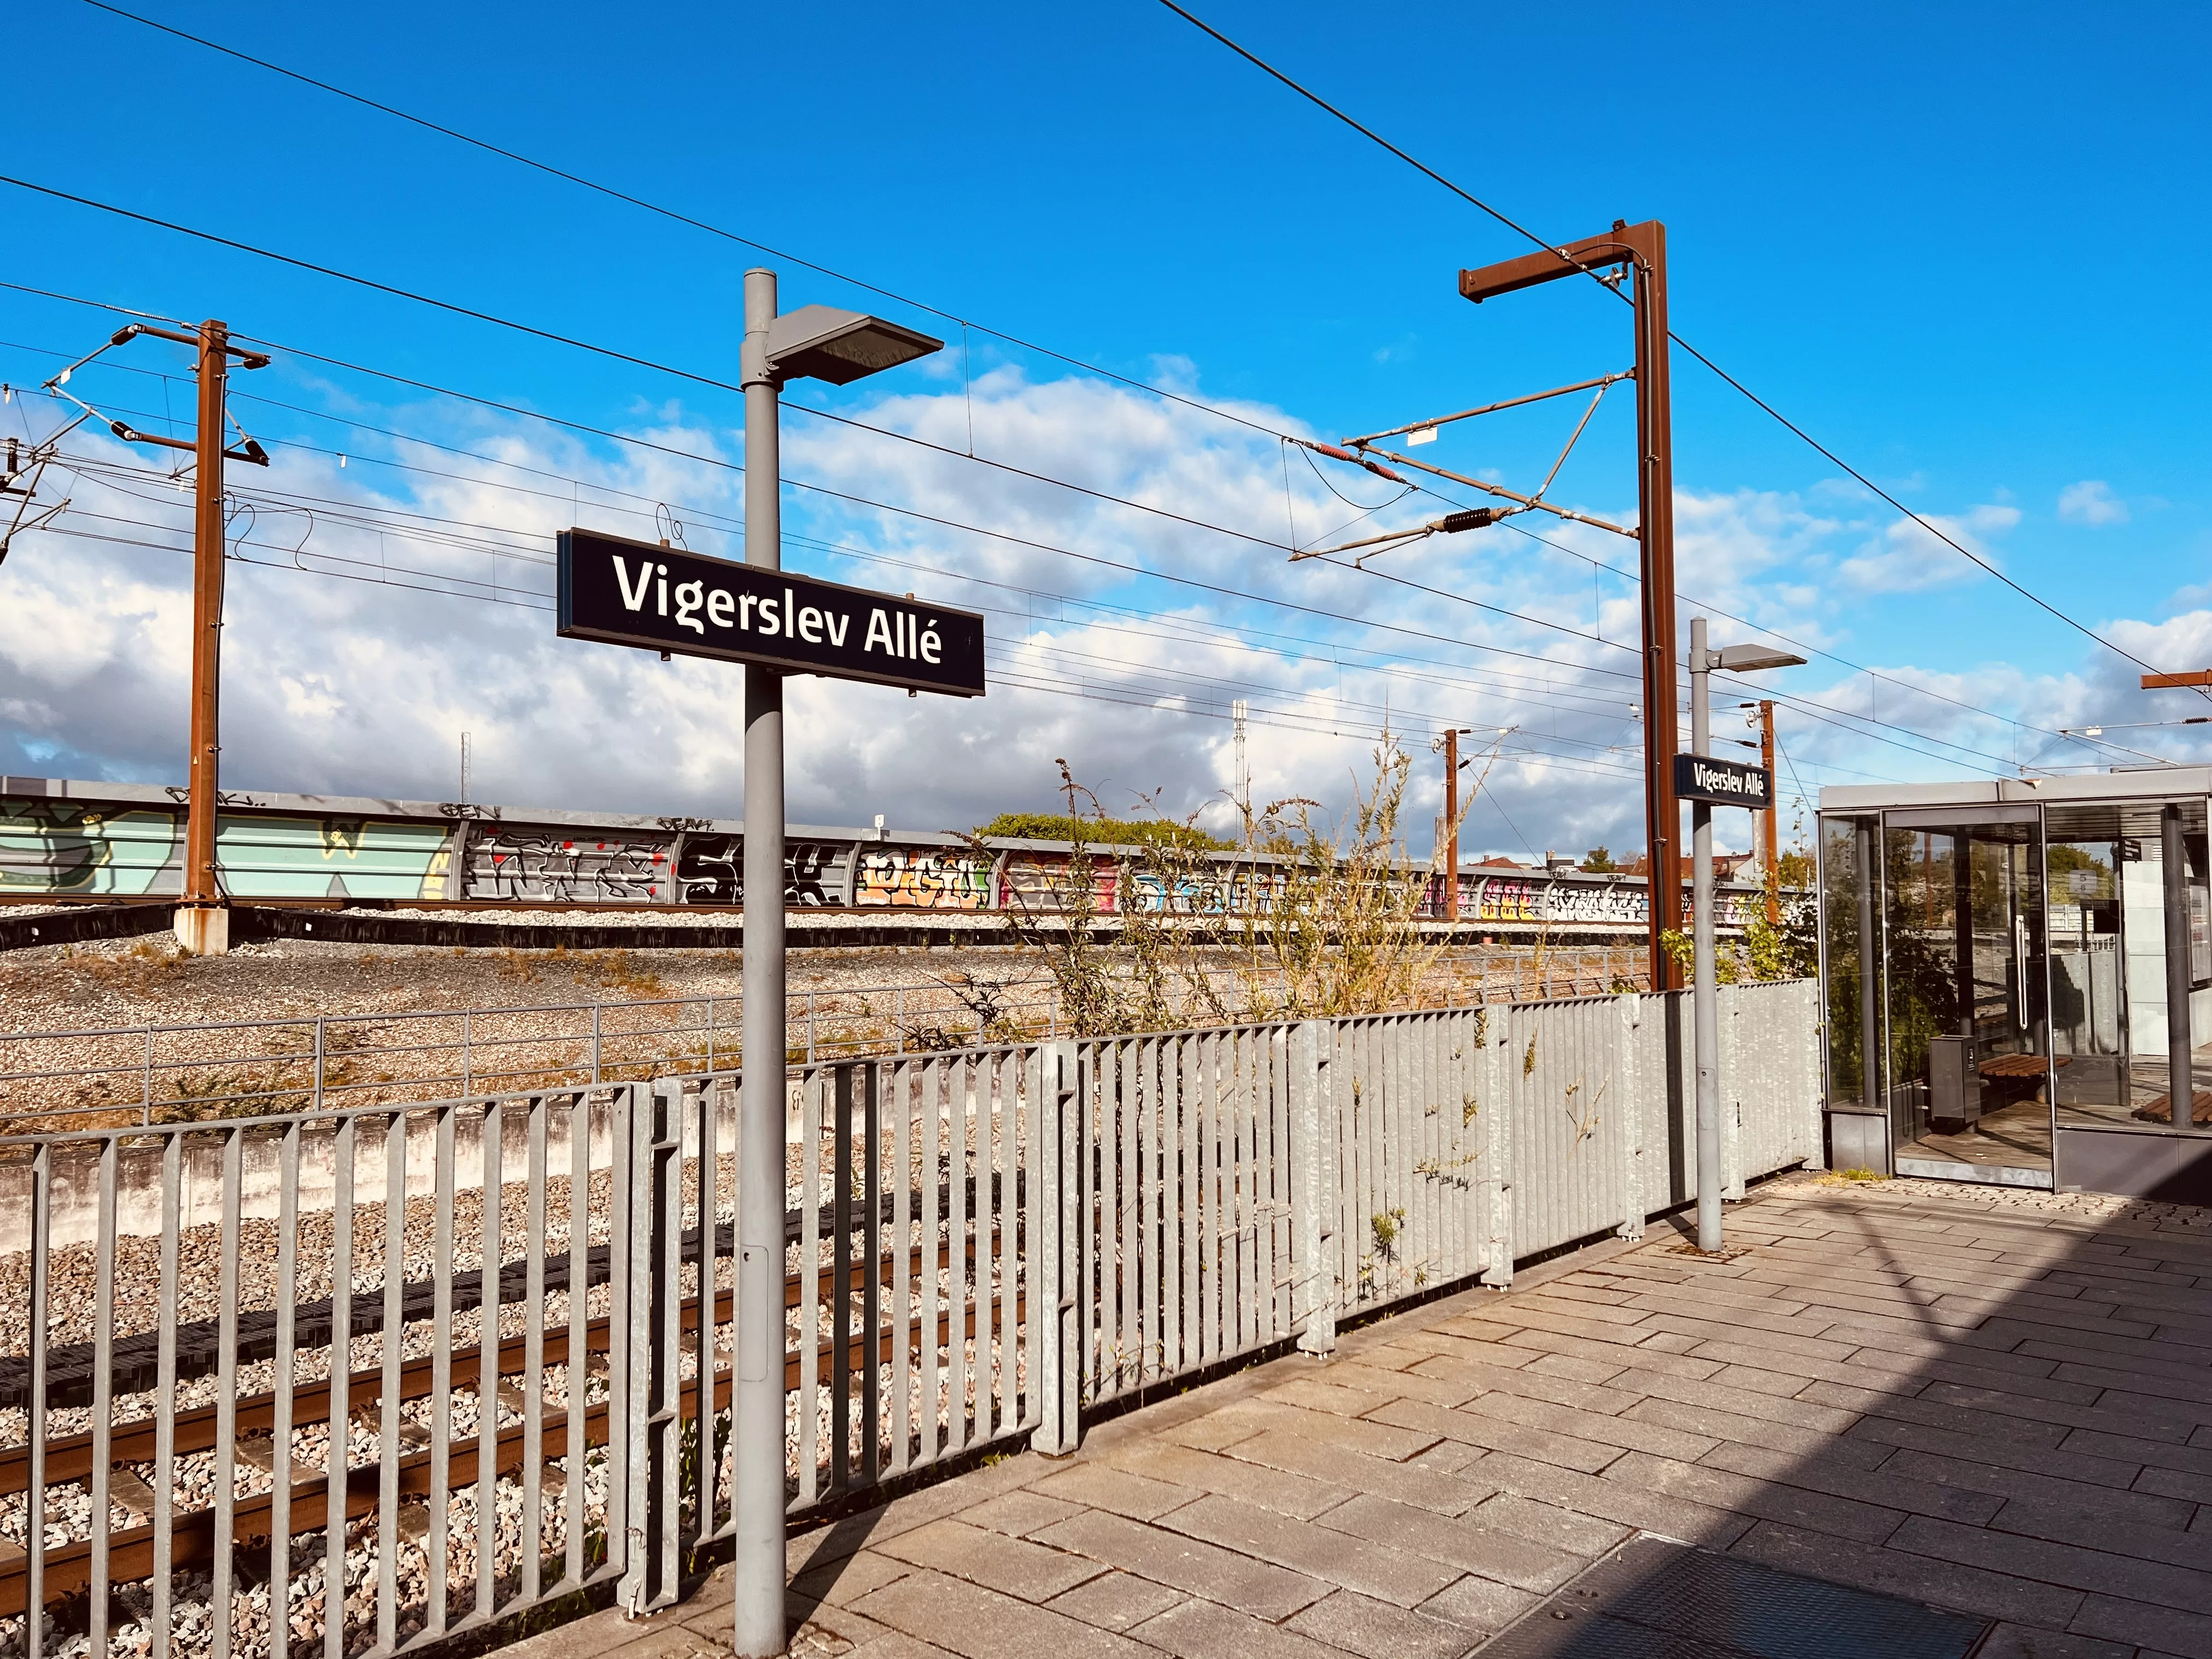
662 598
1724 783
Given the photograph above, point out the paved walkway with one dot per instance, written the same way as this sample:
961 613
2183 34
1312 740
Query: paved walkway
1999 1404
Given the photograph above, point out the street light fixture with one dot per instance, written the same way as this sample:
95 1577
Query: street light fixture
1705 998
1739 658
823 343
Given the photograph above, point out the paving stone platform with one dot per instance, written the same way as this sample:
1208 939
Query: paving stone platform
1995 1403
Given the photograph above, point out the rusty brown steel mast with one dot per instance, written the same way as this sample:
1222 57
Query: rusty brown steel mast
203 888
203 923
1643 248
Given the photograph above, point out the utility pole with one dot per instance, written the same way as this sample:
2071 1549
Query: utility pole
1239 711
757 1498
840 347
202 925
203 921
1770 854
1643 248
1451 826
1449 744
1704 998
1706 1041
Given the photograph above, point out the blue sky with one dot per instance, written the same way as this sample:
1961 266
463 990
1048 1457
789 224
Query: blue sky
1957 244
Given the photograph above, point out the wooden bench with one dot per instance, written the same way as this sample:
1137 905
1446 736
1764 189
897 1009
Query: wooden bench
2020 1066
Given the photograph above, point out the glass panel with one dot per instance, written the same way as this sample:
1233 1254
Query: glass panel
2107 918
2088 1011
1846 906
1922 968
1964 931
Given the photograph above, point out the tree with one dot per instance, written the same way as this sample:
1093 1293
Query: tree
1100 830
1599 861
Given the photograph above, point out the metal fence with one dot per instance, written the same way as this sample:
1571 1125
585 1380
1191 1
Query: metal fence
465 1358
156 1073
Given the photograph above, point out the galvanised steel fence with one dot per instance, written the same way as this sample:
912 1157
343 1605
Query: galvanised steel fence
100 1076
360 1380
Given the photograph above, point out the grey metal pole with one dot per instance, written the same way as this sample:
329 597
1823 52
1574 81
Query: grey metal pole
1705 998
2181 1082
757 1401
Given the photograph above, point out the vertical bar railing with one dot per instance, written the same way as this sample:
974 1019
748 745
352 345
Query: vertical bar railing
960 1259
1313 1290
871 1273
532 1519
841 1281
338 1454
35 1510
575 1485
809 1286
493 1132
287 1363
387 1411
937 1076
434 1544
664 1322
165 1444
103 1383
1055 1264
707 1465
225 1398
1067 1222
897 1086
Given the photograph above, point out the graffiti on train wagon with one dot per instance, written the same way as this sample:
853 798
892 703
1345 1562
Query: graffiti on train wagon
1042 882
1513 898
60 846
62 839
711 870
921 879
565 866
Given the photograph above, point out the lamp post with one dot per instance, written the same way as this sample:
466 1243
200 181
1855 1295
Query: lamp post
840 347
1705 999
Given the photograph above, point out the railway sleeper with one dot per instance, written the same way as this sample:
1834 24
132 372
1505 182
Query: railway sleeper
67 1567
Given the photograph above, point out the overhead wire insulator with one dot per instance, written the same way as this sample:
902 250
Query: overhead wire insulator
1336 454
1477 518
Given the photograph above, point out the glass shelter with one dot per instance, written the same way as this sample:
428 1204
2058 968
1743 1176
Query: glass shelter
2002 966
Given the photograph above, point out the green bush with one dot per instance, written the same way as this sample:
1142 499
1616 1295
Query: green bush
1103 832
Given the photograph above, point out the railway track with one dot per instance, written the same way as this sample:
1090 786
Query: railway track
131 1551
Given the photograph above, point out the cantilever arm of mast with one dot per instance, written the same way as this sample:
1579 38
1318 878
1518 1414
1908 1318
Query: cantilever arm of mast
1601 381
1451 524
1501 490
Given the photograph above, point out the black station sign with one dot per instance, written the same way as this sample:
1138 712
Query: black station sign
663 599
1724 783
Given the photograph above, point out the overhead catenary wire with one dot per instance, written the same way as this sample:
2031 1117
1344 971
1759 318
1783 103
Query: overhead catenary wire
934 311
298 351
675 215
1797 431
383 573
1140 570
617 354
718 462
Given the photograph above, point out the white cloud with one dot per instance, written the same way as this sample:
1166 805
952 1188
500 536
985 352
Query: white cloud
363 686
1907 558
2090 501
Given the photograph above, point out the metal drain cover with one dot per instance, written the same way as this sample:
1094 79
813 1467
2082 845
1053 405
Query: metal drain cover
1655 1599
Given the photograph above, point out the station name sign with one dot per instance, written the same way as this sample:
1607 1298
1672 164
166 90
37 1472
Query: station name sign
1724 783
663 599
